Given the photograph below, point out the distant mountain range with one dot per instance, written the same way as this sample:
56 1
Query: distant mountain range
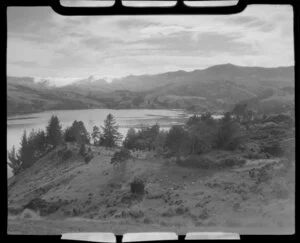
216 88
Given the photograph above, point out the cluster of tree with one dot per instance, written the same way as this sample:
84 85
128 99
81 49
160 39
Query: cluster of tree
77 133
38 143
35 145
110 136
200 134
147 138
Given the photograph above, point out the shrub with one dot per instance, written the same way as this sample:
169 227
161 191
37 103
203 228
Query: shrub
274 149
88 158
250 147
278 118
198 161
135 212
67 154
228 133
232 161
259 175
147 221
121 156
234 143
137 186
204 214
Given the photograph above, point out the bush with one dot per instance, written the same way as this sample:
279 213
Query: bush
198 161
232 161
137 186
278 118
234 143
121 156
250 147
67 154
88 158
212 161
274 149
136 212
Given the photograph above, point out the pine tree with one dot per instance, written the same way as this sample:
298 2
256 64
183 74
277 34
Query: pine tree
96 135
14 161
40 141
26 152
54 132
111 136
177 140
131 138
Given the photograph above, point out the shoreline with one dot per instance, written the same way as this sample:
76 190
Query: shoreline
18 114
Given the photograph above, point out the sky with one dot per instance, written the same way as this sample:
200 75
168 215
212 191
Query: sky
44 44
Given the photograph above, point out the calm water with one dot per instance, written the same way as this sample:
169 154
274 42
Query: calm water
125 119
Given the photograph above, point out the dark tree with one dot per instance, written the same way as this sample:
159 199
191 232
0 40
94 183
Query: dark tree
54 132
14 161
202 137
82 150
111 136
229 130
69 135
37 140
207 118
239 111
137 186
96 135
131 138
146 137
177 140
77 133
40 141
160 141
193 120
26 152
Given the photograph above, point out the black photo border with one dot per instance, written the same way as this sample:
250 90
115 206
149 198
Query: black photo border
118 9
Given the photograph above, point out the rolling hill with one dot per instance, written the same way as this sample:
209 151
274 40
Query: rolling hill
215 88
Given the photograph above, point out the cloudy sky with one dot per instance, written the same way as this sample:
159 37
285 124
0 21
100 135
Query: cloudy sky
43 44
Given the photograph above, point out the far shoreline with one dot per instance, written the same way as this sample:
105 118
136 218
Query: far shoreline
17 115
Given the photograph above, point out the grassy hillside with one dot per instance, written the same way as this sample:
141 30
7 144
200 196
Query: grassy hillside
57 195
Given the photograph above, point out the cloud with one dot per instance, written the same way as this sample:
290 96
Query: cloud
253 22
200 43
129 23
24 63
101 43
44 44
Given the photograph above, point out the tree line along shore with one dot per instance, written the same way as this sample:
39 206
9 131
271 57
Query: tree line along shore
257 135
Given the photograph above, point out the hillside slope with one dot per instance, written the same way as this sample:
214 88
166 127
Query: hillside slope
24 97
67 193
216 88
